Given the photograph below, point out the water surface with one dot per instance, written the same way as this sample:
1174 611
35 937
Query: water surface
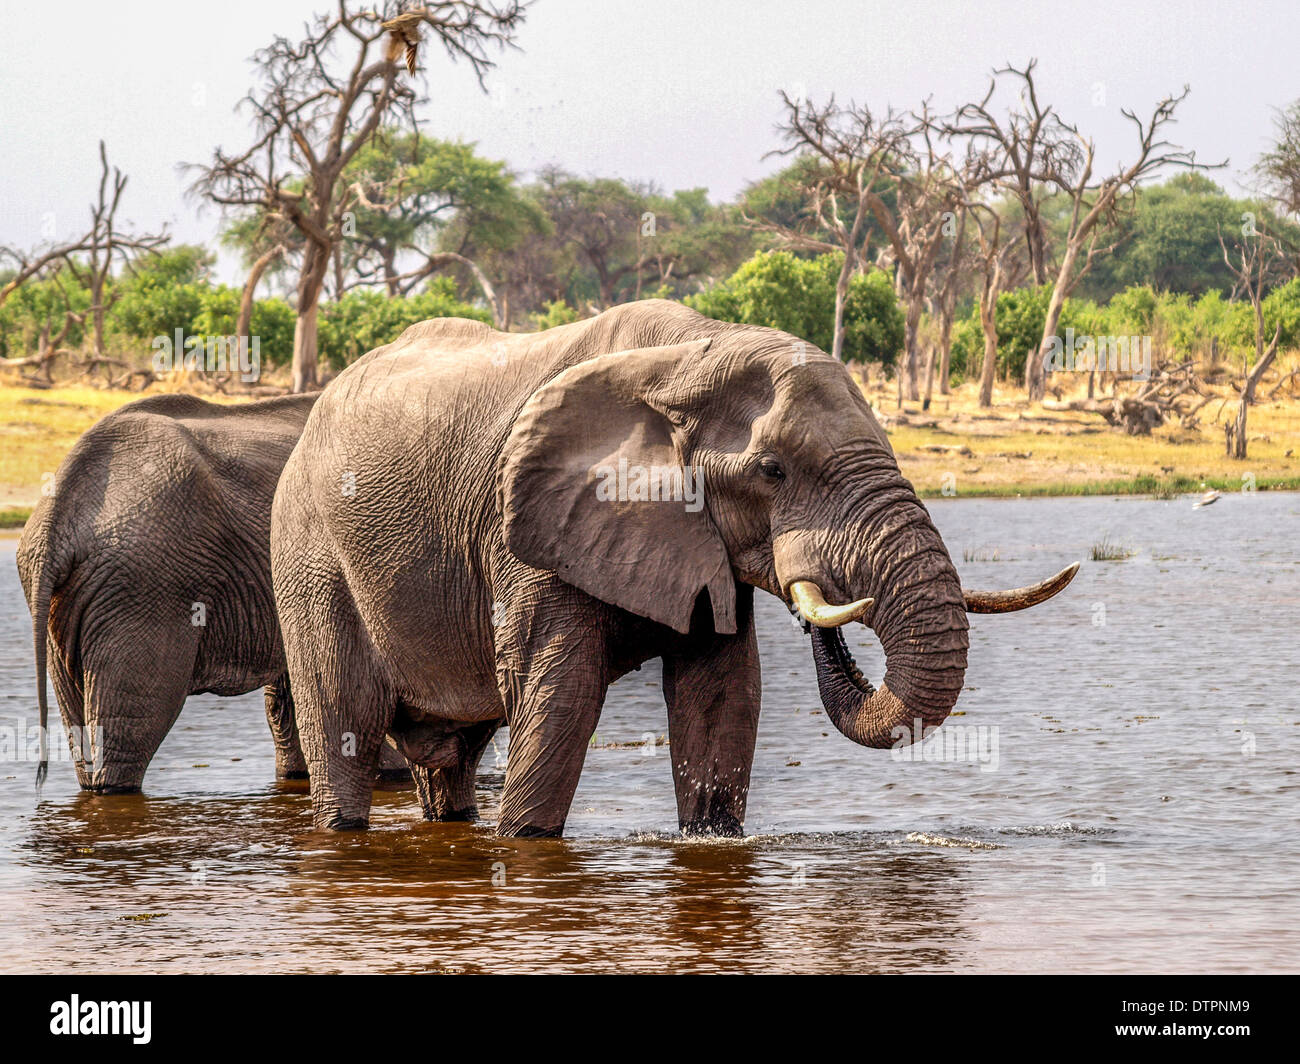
1140 813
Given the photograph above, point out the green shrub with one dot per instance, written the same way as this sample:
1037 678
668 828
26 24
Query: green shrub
795 295
557 312
367 318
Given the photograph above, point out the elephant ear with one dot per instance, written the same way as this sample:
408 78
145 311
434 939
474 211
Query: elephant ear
575 474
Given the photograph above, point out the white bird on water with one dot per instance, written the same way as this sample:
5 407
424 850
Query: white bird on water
1208 499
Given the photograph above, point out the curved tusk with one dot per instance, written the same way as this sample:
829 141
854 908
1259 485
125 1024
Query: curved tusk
813 607
1020 598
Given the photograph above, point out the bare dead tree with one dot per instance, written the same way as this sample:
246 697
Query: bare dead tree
1032 153
855 151
312 114
927 194
90 258
1256 260
1019 153
1278 169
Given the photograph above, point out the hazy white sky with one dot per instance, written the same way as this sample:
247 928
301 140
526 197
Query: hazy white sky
681 92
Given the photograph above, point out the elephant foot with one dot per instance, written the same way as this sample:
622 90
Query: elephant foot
468 815
113 788
292 774
347 823
528 831
718 825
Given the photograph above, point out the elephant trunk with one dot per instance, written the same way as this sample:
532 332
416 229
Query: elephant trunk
881 717
919 616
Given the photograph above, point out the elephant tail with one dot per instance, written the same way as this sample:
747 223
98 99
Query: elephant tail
52 567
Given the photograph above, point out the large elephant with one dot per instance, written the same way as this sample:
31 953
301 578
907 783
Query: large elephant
479 527
149 569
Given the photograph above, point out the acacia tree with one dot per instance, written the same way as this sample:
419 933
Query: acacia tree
90 257
424 205
319 101
854 156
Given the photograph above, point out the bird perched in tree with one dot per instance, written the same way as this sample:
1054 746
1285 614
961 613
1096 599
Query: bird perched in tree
404 33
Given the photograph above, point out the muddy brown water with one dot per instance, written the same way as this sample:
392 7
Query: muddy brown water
1135 809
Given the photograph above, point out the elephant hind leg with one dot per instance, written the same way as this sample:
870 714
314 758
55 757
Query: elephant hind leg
445 782
130 707
341 704
290 764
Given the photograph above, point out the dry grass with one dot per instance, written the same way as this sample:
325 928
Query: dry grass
37 428
1019 449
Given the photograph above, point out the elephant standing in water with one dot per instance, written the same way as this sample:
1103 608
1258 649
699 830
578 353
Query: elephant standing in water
479 527
149 569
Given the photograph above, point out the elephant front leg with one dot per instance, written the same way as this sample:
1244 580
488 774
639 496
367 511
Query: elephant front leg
713 689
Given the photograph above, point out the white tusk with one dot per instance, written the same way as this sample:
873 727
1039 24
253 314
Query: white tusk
813 607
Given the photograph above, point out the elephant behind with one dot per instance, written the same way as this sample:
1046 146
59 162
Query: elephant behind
149 569
526 517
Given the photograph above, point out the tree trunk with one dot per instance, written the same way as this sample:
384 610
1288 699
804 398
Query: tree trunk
250 288
841 298
389 260
97 313
1236 434
1035 244
1035 375
304 351
988 322
911 334
945 347
315 263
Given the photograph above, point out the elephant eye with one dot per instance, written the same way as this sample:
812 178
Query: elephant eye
771 469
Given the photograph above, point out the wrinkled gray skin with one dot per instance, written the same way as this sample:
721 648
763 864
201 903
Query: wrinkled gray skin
442 563
163 504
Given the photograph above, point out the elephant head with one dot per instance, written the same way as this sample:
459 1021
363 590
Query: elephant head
800 495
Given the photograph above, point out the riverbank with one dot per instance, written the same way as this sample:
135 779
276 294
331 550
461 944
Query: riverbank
1021 449
952 449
